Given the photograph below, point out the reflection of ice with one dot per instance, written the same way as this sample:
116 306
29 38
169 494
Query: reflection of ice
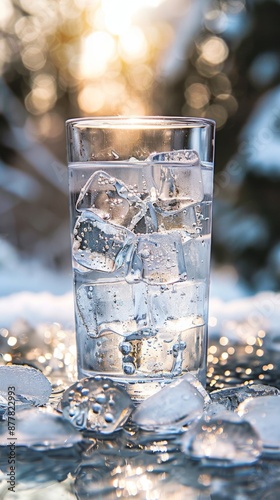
31 386
158 259
116 307
111 200
177 404
99 245
96 404
178 180
122 477
41 430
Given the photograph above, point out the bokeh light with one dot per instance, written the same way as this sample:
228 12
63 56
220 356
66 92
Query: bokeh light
97 51
118 16
7 13
133 46
197 95
107 54
214 50
91 98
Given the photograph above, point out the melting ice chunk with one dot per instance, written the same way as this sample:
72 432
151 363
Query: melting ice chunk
178 180
230 398
263 415
96 404
158 259
40 429
111 200
224 439
31 386
99 245
113 308
174 406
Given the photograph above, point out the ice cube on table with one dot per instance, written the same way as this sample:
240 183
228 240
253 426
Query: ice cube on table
263 414
96 404
231 397
40 429
223 439
99 245
158 258
31 387
116 307
177 404
178 179
111 199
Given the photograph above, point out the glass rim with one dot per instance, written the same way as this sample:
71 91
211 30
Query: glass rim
141 122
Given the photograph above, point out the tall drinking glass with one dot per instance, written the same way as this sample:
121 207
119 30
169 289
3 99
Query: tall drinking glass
141 199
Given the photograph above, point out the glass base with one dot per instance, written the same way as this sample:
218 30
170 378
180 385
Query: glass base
140 389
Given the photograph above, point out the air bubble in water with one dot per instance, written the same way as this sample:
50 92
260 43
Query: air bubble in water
128 368
125 347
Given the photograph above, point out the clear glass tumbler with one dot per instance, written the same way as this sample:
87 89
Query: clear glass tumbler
140 200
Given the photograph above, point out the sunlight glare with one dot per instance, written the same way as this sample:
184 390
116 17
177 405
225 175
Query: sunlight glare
7 12
133 44
98 50
119 15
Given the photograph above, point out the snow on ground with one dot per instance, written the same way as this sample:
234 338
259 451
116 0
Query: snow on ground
19 274
37 308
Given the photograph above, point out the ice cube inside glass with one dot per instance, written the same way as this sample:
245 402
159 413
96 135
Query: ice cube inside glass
141 205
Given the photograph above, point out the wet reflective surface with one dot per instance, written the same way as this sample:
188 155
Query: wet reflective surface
54 459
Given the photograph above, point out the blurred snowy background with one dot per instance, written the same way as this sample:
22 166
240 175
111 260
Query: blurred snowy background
214 58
